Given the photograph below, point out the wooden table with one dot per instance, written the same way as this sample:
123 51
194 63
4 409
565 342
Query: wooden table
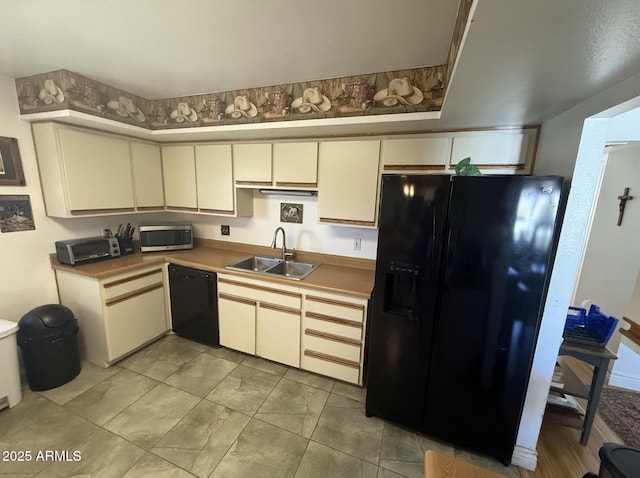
599 357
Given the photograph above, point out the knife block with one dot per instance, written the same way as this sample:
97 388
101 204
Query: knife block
126 246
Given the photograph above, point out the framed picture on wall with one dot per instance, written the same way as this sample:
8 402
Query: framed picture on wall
11 173
15 213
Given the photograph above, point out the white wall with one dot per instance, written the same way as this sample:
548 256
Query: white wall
308 236
27 280
571 146
612 257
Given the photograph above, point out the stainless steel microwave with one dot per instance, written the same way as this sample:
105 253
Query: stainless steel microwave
165 237
87 249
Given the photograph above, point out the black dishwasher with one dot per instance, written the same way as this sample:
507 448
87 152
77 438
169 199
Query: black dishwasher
194 304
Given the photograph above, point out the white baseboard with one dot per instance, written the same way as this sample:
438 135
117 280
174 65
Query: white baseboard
524 457
621 380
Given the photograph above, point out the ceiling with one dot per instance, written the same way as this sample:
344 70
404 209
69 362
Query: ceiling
521 63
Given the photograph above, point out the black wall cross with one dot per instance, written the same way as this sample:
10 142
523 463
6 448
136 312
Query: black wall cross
623 203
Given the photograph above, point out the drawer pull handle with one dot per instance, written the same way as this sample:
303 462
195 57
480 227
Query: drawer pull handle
279 308
332 359
237 299
133 294
332 337
335 320
339 303
257 287
132 278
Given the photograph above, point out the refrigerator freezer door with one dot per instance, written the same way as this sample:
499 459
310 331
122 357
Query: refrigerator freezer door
498 256
411 235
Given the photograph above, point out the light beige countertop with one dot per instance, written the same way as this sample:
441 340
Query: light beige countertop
335 274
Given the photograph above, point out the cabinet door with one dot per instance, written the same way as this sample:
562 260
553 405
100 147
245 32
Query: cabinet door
295 164
214 171
348 182
146 164
495 150
252 164
134 320
278 334
179 170
97 170
415 154
237 322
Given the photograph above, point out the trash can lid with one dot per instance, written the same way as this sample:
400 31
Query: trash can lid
619 460
46 319
7 327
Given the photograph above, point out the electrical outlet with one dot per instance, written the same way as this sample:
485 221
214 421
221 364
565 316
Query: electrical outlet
356 244
224 230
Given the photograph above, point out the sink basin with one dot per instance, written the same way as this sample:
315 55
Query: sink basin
292 269
274 267
254 263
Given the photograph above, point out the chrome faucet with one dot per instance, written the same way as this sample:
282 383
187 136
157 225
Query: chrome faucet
287 255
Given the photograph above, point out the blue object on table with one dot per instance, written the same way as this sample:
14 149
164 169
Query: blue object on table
589 328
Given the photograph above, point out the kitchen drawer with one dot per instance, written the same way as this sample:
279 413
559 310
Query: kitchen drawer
123 285
331 325
260 293
330 366
334 345
331 307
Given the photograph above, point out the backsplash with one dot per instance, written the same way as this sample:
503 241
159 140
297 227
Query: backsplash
402 91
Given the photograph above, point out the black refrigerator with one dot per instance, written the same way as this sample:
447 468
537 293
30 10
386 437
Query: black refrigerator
462 270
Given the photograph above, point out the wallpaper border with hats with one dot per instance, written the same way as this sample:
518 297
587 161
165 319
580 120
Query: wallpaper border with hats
402 91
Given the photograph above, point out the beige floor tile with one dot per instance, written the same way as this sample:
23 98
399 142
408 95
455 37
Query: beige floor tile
308 378
348 390
36 424
244 389
202 438
320 461
89 376
152 416
350 431
151 465
265 365
161 361
262 450
201 375
102 455
293 406
108 398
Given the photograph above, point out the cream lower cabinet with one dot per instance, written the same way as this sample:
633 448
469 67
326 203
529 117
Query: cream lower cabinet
333 331
260 318
348 182
116 315
313 330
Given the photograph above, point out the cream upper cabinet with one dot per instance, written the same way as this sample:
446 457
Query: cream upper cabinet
146 165
214 175
179 170
348 182
497 150
252 164
416 154
81 172
214 179
295 164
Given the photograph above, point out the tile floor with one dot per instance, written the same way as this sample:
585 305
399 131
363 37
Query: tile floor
180 409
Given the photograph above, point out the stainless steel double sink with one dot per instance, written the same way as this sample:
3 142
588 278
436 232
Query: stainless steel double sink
274 267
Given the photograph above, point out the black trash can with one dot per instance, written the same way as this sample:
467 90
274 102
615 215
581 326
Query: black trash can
619 461
48 339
